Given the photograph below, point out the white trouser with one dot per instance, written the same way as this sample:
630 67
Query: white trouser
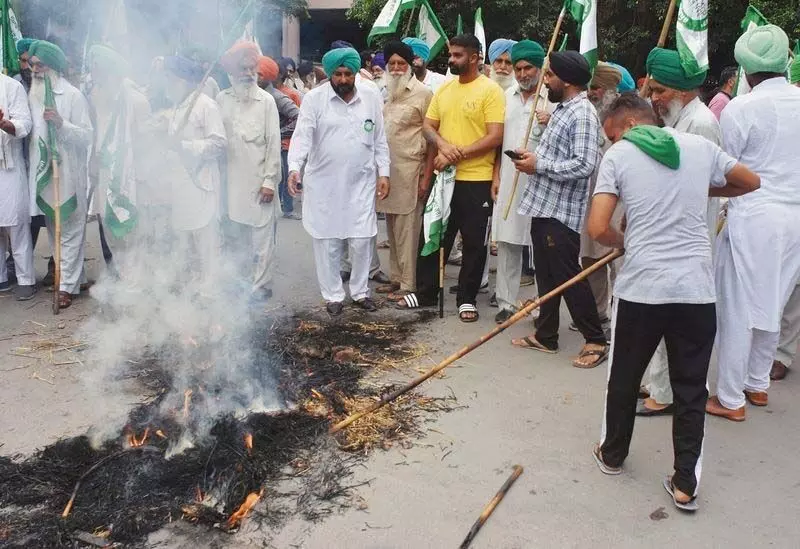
73 238
509 273
328 254
375 261
21 249
485 278
744 355
254 249
200 251
790 329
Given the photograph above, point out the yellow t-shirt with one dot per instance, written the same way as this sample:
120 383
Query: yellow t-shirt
463 110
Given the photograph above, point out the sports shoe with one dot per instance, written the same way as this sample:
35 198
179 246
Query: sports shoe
25 293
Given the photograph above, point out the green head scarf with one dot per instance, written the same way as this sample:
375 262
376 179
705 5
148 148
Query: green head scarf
794 71
664 66
49 54
657 143
763 49
341 57
109 59
528 50
24 44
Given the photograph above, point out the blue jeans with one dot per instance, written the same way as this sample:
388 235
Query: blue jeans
287 202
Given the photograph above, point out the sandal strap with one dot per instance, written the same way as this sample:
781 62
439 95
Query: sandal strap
467 308
411 301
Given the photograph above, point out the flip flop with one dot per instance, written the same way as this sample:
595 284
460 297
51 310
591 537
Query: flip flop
533 344
465 309
605 469
398 295
601 354
690 506
412 301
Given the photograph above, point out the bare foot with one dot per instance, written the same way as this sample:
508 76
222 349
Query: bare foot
651 404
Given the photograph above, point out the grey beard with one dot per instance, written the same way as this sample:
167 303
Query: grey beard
37 90
243 90
396 84
670 118
530 86
505 81
609 96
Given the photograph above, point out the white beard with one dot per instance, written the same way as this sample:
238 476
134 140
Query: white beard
37 90
673 113
380 81
395 84
609 96
243 90
505 81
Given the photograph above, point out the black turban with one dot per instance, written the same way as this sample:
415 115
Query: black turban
571 67
398 48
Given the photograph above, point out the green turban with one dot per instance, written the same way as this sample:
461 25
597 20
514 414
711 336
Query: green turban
49 54
794 71
341 57
664 66
763 49
528 50
24 44
109 60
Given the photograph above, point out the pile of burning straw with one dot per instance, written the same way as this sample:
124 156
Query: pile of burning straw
71 494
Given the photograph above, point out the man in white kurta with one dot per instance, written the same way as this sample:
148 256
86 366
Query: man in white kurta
254 166
758 256
340 141
74 137
15 211
514 233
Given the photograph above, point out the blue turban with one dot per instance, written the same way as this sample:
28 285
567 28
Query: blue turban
24 44
627 83
499 47
379 60
419 47
184 68
341 57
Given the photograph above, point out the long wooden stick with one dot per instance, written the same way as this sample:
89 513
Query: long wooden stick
489 509
532 117
441 282
522 313
662 41
57 230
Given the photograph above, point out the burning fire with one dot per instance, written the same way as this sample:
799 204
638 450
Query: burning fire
248 443
187 399
236 518
134 442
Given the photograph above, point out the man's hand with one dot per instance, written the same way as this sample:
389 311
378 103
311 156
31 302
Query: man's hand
452 153
383 187
543 117
265 195
495 190
441 162
527 164
52 115
294 183
423 187
7 125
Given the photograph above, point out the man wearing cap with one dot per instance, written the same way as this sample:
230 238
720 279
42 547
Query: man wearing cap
73 125
412 166
121 114
197 142
432 80
675 98
502 68
340 142
513 235
555 197
254 167
758 255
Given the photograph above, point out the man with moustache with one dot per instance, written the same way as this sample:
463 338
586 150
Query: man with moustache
432 80
501 65
73 124
23 51
254 166
513 235
555 197
412 158
675 98
340 142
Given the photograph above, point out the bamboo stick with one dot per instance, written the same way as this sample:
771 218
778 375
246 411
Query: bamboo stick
57 230
662 41
522 313
489 509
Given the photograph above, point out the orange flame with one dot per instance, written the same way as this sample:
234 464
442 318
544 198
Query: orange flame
134 442
187 399
248 443
236 518
198 494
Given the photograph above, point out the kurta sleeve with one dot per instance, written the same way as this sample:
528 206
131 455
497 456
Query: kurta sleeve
303 136
734 137
19 113
272 148
382 158
213 144
78 130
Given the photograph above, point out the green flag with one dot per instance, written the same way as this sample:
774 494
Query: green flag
563 45
437 210
692 36
429 30
9 34
585 14
480 33
459 25
752 18
389 17
121 215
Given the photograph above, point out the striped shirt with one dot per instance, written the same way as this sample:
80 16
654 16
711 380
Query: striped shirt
567 154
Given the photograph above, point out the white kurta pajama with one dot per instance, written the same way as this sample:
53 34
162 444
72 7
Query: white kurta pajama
698 119
758 253
73 140
344 150
15 214
513 234
254 162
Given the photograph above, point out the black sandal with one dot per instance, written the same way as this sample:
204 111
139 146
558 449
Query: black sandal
367 304
334 308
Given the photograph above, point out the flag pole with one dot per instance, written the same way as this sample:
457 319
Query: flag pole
57 230
441 265
532 117
662 41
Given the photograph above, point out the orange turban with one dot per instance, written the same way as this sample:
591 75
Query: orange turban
267 69
242 49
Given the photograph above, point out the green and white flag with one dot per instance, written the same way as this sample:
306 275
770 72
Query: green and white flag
389 17
692 36
585 14
437 210
480 33
429 30
752 19
459 25
9 34
121 215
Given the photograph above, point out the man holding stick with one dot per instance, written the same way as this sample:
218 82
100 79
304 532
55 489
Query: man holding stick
758 263
555 197
665 289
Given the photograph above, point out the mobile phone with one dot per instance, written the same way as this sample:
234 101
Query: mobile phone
513 155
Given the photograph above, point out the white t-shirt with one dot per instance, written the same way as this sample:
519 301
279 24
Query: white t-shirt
667 250
433 80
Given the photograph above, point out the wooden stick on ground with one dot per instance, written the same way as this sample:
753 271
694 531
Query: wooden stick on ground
662 41
532 117
519 315
489 509
57 230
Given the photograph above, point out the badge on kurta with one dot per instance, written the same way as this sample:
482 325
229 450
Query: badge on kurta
369 125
